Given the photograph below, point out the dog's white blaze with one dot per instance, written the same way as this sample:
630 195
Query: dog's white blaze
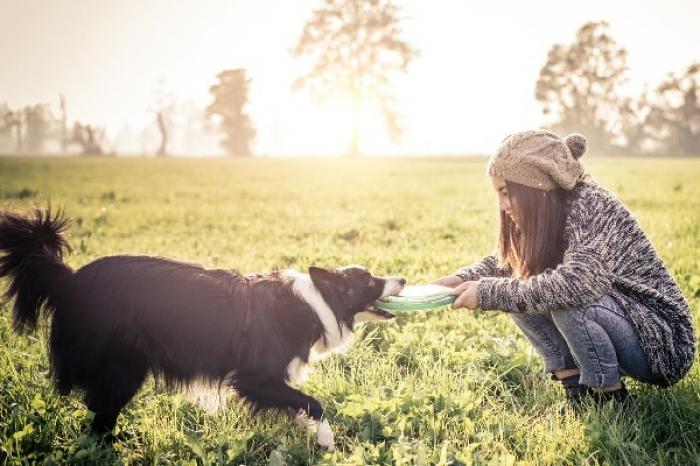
392 286
298 371
324 435
335 336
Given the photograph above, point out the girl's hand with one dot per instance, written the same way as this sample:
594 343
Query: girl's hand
450 281
467 296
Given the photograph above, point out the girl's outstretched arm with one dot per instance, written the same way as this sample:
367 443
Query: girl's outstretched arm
582 277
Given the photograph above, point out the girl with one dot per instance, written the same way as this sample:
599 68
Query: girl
577 274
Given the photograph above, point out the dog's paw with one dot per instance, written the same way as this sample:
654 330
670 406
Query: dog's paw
324 435
303 420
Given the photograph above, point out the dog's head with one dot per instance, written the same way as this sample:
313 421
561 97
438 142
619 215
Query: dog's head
350 292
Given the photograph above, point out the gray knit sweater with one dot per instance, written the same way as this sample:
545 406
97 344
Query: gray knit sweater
606 253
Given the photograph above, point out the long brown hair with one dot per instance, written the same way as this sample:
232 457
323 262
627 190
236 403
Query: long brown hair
538 242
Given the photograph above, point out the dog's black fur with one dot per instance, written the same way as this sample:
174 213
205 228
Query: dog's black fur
121 317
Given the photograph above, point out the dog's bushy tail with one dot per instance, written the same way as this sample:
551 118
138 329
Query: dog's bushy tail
31 257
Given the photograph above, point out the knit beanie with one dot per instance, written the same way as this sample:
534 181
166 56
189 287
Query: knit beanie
539 159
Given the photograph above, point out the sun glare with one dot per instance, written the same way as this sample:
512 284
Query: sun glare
332 122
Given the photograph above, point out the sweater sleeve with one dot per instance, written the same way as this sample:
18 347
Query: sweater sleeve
486 267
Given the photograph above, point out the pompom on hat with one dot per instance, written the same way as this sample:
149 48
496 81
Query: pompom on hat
539 159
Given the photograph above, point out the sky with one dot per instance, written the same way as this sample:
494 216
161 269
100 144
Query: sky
473 83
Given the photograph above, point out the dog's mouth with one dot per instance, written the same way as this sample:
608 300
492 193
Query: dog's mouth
381 313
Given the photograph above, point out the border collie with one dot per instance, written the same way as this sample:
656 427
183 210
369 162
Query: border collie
119 318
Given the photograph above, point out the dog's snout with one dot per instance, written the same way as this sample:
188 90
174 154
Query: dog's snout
393 285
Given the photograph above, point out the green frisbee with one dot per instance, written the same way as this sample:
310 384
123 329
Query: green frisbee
417 298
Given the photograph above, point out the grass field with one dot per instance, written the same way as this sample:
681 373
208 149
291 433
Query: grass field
445 387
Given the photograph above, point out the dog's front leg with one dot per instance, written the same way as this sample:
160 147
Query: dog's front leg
279 395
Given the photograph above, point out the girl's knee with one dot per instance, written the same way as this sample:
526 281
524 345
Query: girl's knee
566 319
530 320
576 316
517 318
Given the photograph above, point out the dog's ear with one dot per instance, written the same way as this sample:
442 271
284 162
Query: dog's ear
324 279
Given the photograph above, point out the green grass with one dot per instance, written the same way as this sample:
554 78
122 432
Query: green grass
441 387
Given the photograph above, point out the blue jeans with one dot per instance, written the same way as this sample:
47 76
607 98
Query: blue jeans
597 338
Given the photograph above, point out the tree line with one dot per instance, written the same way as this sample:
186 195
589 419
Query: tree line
356 46
581 88
30 128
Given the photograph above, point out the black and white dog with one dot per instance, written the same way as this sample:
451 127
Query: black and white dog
119 318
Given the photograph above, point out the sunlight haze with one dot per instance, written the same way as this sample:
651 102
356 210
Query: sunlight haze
473 83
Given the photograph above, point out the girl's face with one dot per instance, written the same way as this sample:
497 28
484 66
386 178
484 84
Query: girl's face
505 203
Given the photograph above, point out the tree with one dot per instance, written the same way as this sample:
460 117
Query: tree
635 124
230 99
675 113
63 123
355 47
32 125
89 138
12 121
38 123
579 85
162 106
